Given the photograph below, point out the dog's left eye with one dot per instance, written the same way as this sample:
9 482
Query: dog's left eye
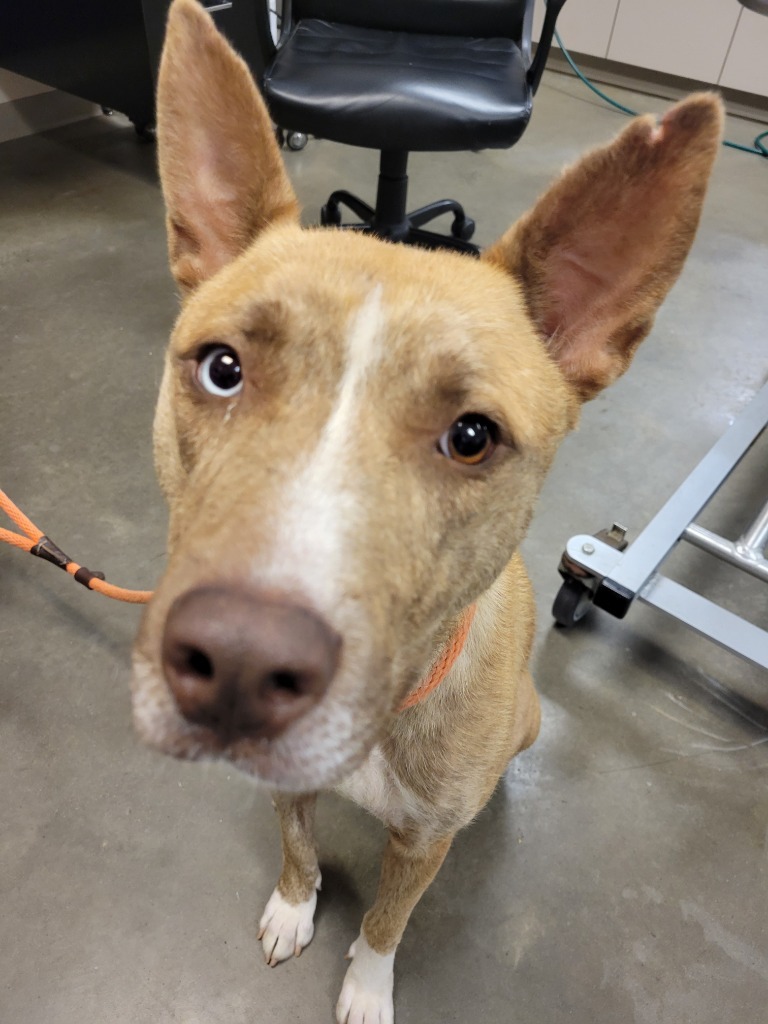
470 439
219 372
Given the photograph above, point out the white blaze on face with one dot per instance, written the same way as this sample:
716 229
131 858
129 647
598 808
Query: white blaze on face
319 508
316 513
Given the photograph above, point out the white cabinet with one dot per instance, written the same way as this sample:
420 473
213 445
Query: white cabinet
584 25
717 42
746 66
689 38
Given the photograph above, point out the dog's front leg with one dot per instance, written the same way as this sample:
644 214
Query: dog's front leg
410 864
287 924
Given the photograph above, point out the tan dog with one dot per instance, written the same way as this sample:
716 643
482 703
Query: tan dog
351 436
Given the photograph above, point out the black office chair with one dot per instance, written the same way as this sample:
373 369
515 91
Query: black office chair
405 75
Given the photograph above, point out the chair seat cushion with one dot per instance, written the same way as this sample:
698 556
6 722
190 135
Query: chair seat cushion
397 90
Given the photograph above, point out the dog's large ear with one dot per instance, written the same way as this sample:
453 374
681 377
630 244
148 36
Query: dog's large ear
603 246
222 174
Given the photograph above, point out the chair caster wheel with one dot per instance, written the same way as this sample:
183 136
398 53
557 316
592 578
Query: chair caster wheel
572 603
330 215
145 131
463 228
296 140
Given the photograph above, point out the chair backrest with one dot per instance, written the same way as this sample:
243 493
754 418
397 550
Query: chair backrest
480 18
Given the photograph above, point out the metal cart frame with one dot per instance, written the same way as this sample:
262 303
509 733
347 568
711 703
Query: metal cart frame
606 571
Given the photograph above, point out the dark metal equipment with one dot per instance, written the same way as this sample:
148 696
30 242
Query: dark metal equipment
109 52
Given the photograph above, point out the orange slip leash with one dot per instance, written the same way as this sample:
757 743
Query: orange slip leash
34 541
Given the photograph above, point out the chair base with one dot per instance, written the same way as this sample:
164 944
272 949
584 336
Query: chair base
389 220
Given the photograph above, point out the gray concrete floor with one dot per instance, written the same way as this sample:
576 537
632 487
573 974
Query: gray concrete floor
619 874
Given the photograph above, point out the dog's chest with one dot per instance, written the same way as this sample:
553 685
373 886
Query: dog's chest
375 787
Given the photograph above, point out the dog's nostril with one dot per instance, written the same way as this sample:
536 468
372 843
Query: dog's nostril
285 681
198 663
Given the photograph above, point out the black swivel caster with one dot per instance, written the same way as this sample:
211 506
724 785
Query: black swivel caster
146 131
330 215
572 603
463 228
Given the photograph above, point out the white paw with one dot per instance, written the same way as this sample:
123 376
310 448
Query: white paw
286 928
366 995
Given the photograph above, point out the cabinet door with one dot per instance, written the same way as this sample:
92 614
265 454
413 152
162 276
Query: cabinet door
683 37
584 25
747 64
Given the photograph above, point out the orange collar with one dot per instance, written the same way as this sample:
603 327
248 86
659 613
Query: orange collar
444 663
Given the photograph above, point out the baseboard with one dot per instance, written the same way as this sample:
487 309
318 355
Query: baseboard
41 112
654 83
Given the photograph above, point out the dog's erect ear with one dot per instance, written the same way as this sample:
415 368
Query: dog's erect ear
221 170
603 246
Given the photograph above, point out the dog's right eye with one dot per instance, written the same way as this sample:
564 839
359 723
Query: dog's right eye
219 372
470 440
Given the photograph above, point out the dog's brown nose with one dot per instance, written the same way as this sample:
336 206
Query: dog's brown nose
244 664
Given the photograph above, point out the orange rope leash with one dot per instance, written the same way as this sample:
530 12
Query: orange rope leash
444 663
36 543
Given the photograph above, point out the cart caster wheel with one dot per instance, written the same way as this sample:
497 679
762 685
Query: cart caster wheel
571 603
463 228
330 215
296 140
